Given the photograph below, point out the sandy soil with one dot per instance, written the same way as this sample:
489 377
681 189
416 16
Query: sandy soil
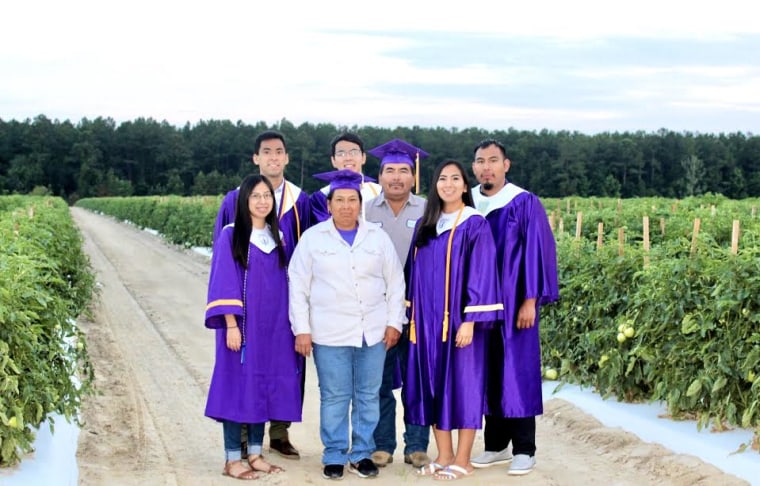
153 360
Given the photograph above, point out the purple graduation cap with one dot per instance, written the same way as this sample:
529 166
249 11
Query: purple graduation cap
343 179
398 151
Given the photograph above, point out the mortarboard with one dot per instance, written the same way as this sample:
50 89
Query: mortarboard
398 151
343 179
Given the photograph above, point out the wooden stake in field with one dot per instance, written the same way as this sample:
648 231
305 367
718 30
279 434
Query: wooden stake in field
578 224
735 237
553 220
645 223
621 241
599 236
694 234
662 226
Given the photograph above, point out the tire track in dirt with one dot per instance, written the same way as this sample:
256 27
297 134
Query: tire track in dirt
168 432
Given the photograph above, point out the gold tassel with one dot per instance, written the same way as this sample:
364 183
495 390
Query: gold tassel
448 276
417 173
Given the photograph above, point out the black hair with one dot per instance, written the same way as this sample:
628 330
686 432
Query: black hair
268 135
346 137
241 236
434 205
332 191
487 143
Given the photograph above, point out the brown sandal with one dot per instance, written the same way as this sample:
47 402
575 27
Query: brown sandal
258 464
245 473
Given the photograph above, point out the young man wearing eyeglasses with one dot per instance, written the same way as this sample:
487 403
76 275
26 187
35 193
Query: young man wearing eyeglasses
270 154
347 153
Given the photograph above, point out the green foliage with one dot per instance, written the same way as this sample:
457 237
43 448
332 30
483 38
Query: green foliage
187 221
45 283
98 158
694 318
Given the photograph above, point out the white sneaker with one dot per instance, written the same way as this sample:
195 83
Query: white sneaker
491 458
521 464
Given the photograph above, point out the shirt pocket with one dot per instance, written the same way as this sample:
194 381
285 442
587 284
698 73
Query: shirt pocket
371 259
328 260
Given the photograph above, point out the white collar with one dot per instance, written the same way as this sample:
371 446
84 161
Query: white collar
291 192
262 239
486 204
446 221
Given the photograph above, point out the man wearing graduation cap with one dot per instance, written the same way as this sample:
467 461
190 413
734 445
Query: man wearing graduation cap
347 305
396 210
347 154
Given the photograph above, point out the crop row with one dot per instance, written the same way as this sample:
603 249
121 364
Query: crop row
45 283
185 221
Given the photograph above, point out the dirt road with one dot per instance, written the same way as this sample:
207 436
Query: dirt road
153 360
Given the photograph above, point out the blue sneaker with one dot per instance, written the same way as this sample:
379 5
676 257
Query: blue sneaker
491 458
521 464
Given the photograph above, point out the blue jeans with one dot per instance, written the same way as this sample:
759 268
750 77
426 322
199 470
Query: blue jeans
232 439
416 437
348 376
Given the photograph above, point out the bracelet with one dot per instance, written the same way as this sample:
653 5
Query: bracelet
231 327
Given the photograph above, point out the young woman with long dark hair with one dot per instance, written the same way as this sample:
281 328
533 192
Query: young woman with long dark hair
257 373
453 295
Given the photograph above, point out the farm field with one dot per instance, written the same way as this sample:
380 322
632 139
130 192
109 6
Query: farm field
153 358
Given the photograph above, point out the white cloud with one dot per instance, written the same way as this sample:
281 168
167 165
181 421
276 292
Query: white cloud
331 61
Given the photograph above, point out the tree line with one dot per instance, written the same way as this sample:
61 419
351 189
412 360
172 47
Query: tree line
144 156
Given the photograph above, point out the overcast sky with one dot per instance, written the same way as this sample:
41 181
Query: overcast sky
588 66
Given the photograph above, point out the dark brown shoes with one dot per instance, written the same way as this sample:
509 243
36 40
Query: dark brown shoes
284 448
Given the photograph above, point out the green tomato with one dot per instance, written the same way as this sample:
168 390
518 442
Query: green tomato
751 376
621 327
621 337
80 345
629 332
550 374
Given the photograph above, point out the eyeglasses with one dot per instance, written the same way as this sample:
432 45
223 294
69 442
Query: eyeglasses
343 153
267 196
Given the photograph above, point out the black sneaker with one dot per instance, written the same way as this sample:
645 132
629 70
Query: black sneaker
333 471
364 468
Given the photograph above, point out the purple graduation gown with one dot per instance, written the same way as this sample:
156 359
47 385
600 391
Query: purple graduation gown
266 385
526 255
294 218
445 385
226 214
318 205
